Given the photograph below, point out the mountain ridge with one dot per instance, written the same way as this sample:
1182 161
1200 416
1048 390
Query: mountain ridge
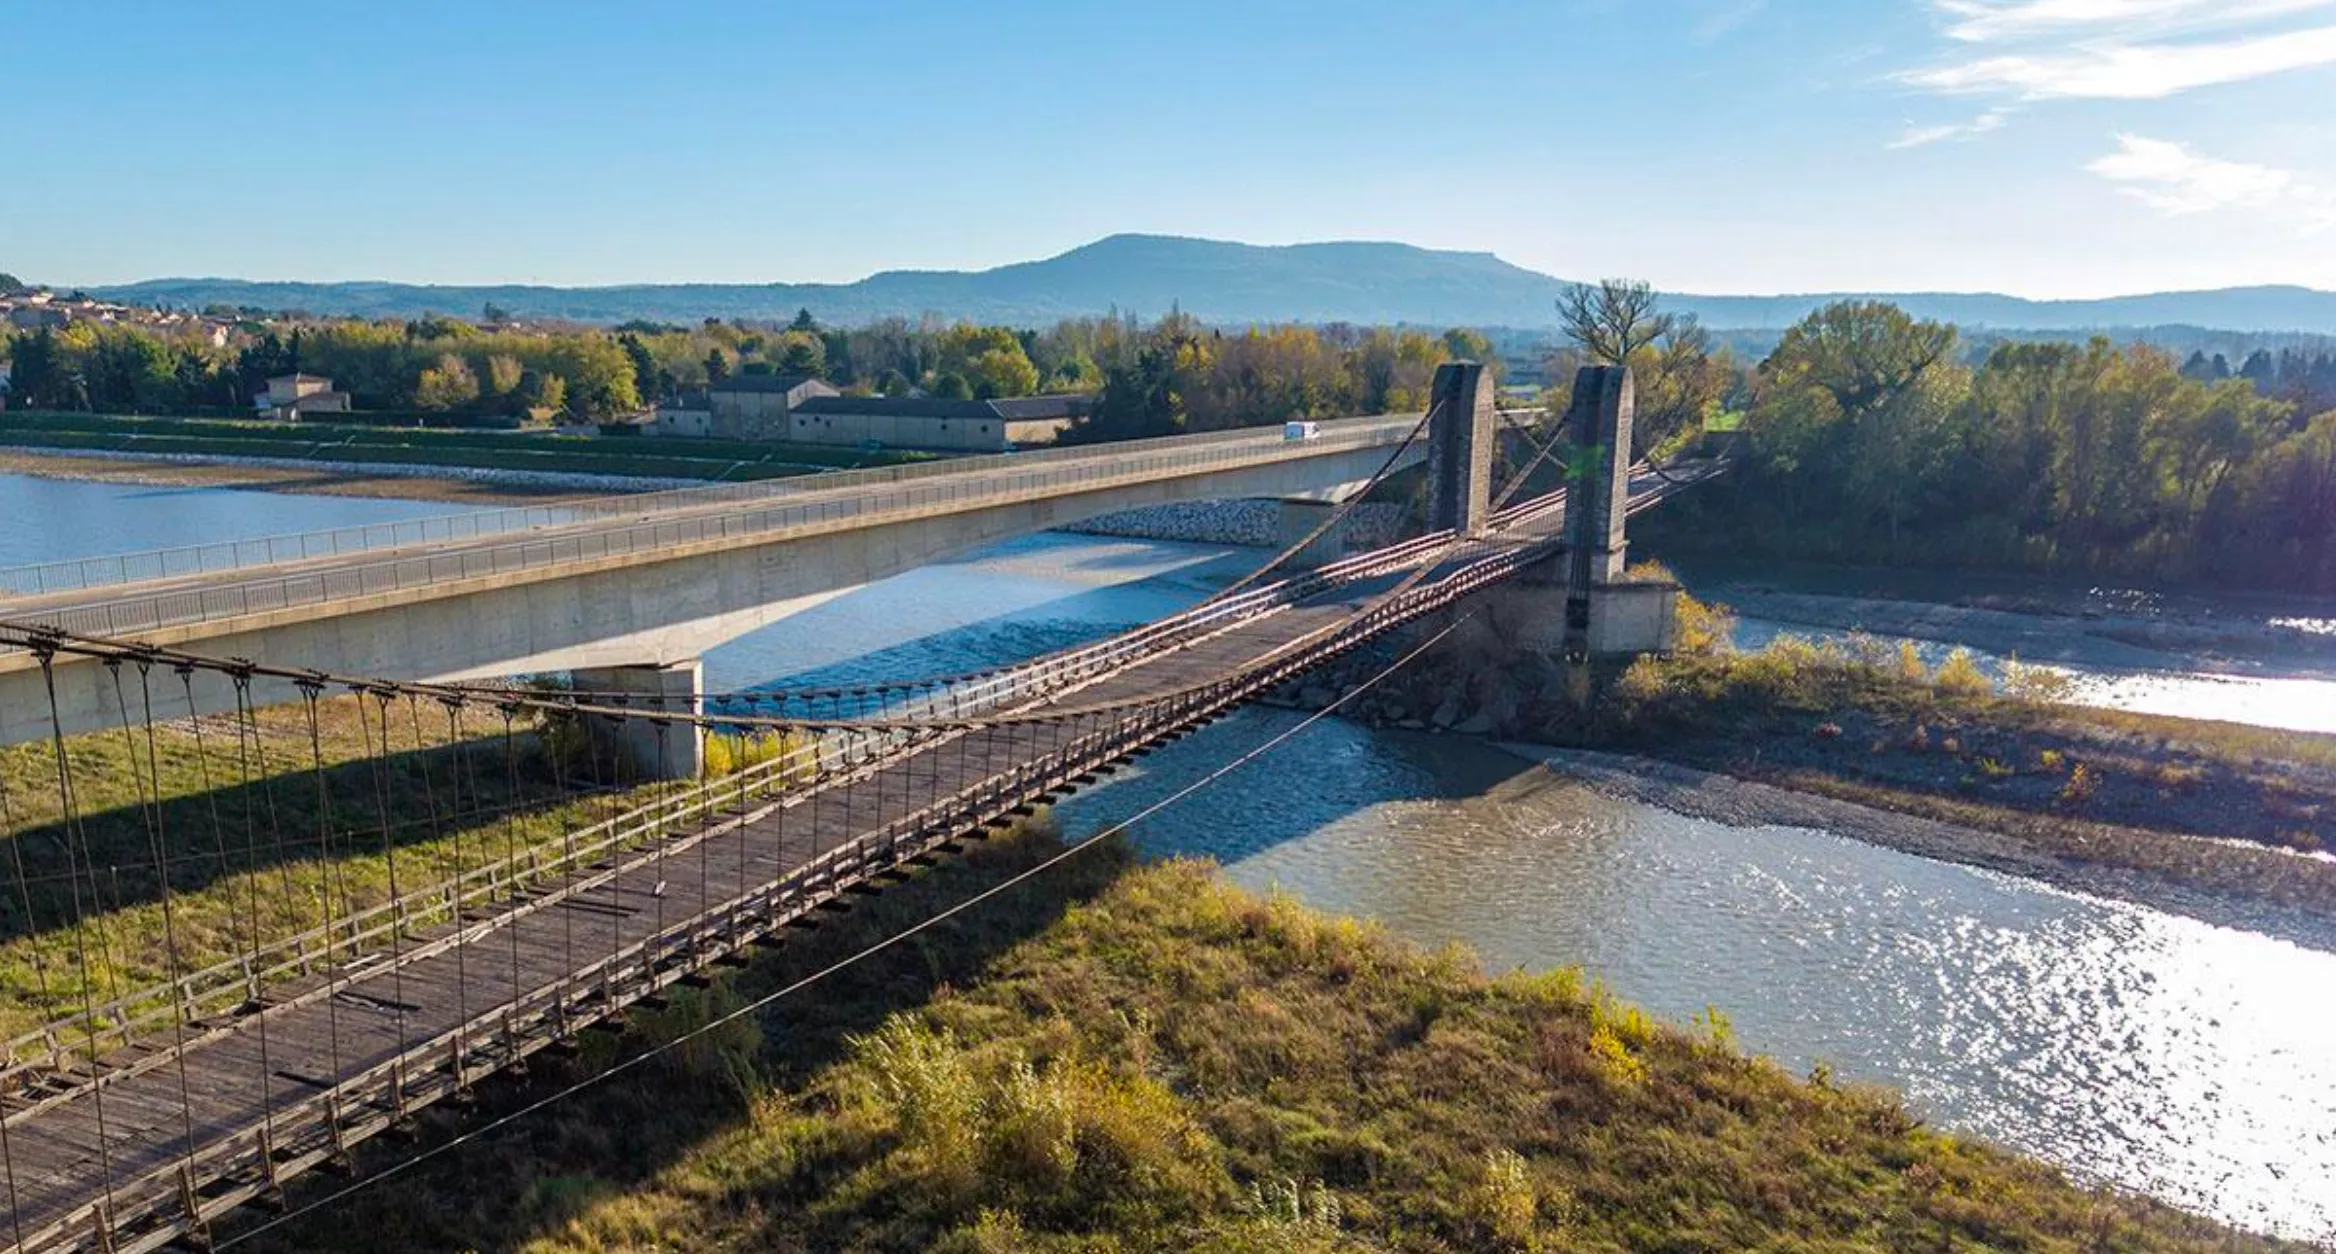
1355 281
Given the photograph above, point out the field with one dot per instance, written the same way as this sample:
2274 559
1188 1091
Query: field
1122 1058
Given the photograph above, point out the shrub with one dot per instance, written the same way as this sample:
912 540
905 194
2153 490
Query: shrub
1614 1059
2035 683
1504 1204
1705 628
1959 676
2079 788
2178 777
1911 667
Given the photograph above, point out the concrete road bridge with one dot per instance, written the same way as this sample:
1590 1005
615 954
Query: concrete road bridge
141 1119
631 590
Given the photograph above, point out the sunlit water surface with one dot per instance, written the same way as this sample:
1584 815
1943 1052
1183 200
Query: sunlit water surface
2134 1047
2137 1048
49 520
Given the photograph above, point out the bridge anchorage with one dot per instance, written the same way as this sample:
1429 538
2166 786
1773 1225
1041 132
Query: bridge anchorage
274 910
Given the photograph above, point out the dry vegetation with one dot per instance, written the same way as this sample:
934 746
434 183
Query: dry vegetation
1174 1064
258 842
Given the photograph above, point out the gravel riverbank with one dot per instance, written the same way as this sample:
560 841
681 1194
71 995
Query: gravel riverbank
462 484
2166 640
1743 803
1256 524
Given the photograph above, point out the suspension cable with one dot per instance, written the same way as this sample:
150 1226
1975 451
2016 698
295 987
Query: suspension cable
937 918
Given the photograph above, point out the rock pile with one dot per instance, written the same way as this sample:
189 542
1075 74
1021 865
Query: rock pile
1256 524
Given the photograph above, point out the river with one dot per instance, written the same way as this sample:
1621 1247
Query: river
2134 1047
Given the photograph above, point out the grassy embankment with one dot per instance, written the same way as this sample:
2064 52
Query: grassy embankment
725 460
1876 726
243 838
1117 1059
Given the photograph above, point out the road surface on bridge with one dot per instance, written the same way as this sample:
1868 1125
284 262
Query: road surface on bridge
158 1138
623 525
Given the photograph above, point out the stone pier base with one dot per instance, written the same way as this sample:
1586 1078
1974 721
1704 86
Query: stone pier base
1298 520
1626 617
674 751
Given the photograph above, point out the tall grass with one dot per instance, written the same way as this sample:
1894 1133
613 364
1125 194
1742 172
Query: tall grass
1180 1065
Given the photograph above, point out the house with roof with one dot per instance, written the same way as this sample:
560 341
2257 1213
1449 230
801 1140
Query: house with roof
291 397
756 406
927 423
803 409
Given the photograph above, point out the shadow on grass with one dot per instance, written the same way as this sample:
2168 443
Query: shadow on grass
495 1188
106 859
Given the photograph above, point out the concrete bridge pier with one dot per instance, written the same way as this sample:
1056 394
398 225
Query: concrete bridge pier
1463 432
1606 612
1599 610
672 751
1299 519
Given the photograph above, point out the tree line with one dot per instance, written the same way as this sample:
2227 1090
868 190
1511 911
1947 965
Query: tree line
1869 435
1151 378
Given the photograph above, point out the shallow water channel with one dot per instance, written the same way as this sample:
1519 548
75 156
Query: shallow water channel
2194 1062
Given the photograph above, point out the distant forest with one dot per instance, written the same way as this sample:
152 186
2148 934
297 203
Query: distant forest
1868 435
1865 434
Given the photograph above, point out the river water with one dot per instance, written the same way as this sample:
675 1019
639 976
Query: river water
2146 1050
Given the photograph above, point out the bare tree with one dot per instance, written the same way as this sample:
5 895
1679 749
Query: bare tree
1612 319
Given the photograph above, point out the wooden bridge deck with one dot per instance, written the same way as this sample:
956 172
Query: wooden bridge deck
162 1144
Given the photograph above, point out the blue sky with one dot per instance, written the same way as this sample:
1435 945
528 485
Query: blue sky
2042 147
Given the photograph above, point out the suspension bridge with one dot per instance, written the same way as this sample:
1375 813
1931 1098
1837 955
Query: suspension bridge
143 1110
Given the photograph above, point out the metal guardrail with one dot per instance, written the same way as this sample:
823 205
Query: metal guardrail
139 1214
147 1211
216 989
80 574
1026 476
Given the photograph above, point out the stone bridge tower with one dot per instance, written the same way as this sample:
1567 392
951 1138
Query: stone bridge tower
1463 429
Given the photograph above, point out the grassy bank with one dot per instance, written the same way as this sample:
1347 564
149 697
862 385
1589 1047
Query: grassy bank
1875 725
260 837
725 460
1174 1064
2121 790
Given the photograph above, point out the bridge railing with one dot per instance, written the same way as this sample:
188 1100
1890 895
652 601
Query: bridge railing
135 615
79 574
221 987
312 1128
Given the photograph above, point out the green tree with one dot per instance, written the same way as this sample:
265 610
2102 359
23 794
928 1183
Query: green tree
37 376
801 352
502 377
543 393
1468 344
951 386
646 372
447 385
804 322
1002 372
131 371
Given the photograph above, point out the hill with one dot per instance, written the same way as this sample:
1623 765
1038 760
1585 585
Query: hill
1219 282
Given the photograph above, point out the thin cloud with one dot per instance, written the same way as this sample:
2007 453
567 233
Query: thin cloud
2111 71
2039 50
1977 22
2172 179
1727 19
1952 132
